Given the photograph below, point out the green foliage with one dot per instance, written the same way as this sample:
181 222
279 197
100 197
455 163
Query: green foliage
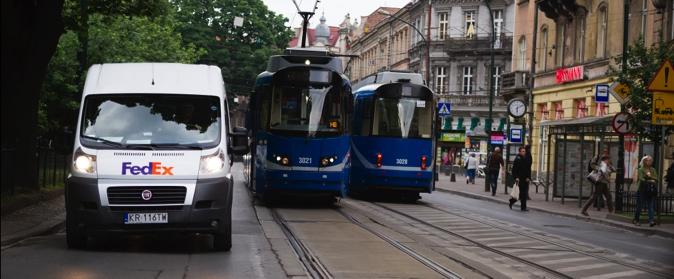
137 39
240 51
642 64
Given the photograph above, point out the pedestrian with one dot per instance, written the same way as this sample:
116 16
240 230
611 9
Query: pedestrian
521 172
670 177
647 177
471 168
604 168
494 164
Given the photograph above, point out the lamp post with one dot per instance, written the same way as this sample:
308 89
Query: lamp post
487 124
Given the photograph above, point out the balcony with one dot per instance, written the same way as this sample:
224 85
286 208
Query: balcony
515 83
458 45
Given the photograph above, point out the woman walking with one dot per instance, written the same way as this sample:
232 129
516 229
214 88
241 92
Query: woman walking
647 192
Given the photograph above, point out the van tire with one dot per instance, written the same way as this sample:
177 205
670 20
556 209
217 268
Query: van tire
75 237
223 241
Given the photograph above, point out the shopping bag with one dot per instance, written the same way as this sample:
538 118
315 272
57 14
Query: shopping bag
515 192
594 176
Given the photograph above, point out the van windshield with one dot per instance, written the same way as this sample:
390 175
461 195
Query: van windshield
157 121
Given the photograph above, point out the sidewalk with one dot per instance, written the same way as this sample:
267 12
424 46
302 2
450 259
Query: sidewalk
569 208
40 218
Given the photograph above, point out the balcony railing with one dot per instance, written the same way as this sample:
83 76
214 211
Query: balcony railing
463 44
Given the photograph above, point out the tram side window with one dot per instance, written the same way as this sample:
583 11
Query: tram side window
365 116
264 109
422 123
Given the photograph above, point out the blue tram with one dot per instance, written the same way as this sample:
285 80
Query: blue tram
299 126
393 139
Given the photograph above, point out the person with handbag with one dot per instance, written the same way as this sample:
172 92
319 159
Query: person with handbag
521 172
648 189
600 176
471 168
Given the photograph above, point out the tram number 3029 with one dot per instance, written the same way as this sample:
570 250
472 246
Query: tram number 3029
401 161
304 160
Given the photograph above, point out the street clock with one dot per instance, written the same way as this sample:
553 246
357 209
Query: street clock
517 108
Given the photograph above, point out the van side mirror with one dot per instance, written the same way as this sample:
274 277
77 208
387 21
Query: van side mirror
238 141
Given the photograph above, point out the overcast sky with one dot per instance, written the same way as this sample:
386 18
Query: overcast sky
335 10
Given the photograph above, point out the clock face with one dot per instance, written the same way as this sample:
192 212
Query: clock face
517 108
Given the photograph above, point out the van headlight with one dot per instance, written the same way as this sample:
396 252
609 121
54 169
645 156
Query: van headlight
83 162
212 163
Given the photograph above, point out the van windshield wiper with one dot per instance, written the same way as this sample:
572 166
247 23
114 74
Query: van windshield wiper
101 140
176 146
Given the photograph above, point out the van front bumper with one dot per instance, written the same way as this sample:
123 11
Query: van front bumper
212 202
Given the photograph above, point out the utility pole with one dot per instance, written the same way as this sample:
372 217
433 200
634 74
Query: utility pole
428 44
620 171
532 73
487 124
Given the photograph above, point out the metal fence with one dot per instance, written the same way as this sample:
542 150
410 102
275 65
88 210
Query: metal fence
52 163
664 203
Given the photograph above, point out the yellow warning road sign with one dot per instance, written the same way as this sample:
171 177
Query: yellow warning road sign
620 92
663 108
663 81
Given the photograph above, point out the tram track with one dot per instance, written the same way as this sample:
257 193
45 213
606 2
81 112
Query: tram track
311 263
534 263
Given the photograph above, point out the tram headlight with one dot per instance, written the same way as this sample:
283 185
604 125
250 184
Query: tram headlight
282 160
328 160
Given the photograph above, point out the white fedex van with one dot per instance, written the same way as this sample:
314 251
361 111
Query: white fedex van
152 153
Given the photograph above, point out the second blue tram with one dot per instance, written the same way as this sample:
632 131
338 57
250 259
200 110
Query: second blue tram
393 139
299 126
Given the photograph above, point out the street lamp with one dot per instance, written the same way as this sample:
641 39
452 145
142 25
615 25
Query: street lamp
428 45
487 124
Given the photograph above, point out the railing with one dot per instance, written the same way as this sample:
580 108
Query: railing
472 100
663 203
462 44
52 165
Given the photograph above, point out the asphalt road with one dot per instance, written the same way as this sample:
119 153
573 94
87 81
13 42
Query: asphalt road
651 248
151 256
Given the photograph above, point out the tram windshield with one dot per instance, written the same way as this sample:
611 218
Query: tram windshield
311 108
402 117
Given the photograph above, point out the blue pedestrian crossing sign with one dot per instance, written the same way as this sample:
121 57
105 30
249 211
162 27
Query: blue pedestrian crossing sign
444 109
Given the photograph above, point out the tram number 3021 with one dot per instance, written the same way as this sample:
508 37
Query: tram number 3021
304 160
401 161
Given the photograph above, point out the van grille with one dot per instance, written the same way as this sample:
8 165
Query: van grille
160 195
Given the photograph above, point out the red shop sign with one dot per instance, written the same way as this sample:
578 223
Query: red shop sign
569 74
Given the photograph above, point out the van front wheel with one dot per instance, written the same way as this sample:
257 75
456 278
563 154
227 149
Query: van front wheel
223 241
75 237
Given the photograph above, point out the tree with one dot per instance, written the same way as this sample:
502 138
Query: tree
112 39
642 65
30 33
240 51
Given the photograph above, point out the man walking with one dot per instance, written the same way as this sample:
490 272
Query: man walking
522 173
601 186
471 168
494 165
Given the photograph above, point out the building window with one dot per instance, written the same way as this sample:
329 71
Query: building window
602 25
497 79
581 108
521 59
580 38
559 111
559 45
440 78
467 80
544 49
443 24
416 38
543 112
602 109
498 27
469 25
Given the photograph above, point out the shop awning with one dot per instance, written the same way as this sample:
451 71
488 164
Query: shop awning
447 123
459 126
473 122
501 124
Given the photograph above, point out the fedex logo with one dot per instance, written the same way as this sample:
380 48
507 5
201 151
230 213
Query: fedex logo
153 168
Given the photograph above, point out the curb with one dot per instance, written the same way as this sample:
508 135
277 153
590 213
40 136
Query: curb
43 229
613 223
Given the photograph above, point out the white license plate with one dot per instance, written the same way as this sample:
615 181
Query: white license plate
146 218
